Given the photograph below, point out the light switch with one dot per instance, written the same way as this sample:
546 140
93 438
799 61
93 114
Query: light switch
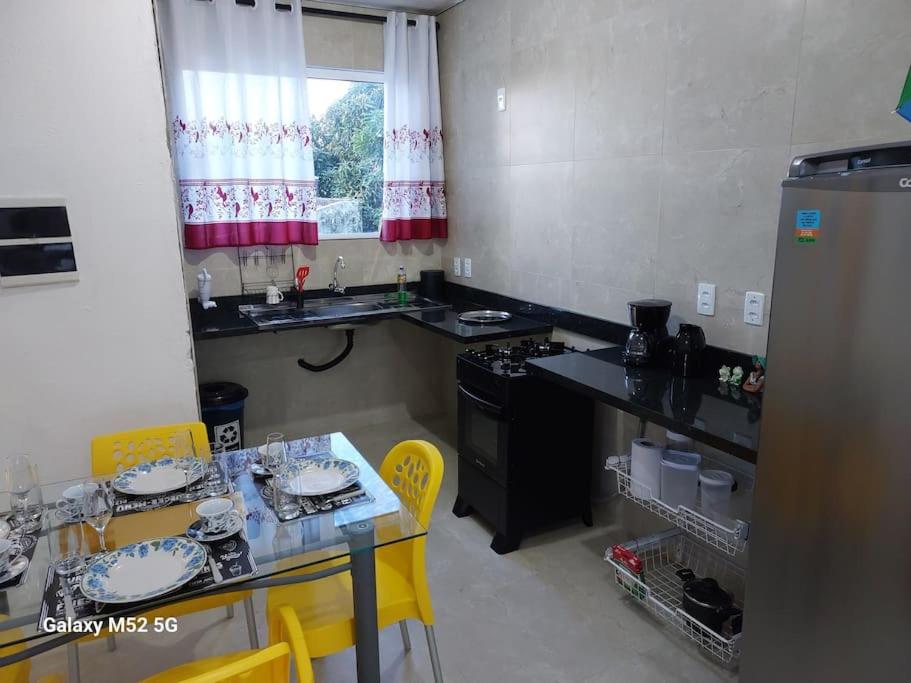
501 99
468 267
457 266
753 306
705 299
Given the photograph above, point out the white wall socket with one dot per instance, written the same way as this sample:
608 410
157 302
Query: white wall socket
457 266
501 99
753 307
468 267
705 299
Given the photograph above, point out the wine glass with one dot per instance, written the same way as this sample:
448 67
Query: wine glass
21 478
98 507
186 457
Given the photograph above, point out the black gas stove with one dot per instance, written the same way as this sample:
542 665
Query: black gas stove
525 445
506 359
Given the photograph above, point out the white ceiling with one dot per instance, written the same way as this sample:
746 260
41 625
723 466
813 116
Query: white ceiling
416 6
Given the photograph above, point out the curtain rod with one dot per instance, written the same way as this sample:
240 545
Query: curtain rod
332 13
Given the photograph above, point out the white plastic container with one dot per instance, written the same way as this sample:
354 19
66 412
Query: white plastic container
716 491
645 469
679 442
680 478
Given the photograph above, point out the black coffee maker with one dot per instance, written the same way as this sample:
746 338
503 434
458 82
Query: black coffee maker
648 341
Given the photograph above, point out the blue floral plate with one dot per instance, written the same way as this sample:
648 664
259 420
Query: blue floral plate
143 570
318 477
158 476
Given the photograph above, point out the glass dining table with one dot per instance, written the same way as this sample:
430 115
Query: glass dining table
323 542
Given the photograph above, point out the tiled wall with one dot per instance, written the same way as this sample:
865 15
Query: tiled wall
645 140
340 44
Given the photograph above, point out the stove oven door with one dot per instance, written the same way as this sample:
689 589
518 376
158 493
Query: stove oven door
483 433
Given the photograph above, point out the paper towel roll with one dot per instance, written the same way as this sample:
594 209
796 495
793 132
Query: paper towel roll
679 442
645 469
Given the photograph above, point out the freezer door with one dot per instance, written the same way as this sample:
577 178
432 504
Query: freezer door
829 583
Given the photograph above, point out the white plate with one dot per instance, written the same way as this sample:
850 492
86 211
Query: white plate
16 566
143 570
5 528
158 476
310 477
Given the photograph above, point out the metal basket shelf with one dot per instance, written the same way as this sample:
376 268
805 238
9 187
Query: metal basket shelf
728 536
660 590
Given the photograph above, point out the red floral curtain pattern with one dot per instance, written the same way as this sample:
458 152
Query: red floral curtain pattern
414 194
240 123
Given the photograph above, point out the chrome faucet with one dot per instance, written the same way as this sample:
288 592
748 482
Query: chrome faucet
334 286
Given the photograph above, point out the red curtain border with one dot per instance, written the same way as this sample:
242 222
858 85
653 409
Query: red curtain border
402 229
249 234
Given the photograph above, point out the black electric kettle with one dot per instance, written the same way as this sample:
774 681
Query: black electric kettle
689 349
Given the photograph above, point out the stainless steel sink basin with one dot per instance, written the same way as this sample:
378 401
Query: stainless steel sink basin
343 309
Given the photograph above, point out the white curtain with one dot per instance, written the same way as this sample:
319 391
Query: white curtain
236 85
414 198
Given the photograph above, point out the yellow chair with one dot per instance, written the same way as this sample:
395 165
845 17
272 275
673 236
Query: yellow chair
20 671
128 449
414 470
269 665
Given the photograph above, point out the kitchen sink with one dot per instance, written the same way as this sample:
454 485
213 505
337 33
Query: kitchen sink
343 309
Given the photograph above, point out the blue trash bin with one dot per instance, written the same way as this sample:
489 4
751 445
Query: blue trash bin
222 406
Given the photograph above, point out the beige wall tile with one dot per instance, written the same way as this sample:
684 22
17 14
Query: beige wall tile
853 62
539 211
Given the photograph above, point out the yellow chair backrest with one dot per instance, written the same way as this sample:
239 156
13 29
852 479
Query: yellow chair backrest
149 443
270 665
414 470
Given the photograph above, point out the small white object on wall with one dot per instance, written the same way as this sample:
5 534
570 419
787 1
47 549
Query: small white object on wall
753 307
457 266
468 267
705 299
501 99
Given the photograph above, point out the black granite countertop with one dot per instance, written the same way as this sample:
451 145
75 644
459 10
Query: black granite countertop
721 416
227 321
447 323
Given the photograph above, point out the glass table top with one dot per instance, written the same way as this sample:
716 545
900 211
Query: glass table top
277 547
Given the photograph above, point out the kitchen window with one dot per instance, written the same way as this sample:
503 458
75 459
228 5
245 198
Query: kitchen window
346 112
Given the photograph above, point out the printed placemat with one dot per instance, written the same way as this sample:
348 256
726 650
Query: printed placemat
26 544
126 505
233 559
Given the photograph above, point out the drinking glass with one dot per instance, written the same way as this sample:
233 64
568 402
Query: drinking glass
275 456
286 505
98 507
71 548
186 457
21 478
216 471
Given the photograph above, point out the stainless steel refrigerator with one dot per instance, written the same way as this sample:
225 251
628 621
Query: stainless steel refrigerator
829 583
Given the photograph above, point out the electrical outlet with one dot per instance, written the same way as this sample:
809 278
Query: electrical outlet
468 267
753 306
705 299
501 99
457 266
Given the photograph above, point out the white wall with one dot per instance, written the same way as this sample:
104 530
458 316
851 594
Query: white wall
83 117
644 142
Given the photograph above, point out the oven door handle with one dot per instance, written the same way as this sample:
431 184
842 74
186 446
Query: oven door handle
480 402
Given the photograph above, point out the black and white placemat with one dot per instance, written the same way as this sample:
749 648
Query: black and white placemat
26 544
126 505
233 558
353 495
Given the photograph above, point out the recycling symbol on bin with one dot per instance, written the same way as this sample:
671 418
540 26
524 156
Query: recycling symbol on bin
228 434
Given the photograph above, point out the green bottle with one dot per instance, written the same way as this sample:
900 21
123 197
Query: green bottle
402 281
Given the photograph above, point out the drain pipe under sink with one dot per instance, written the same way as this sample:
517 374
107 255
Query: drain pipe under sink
349 344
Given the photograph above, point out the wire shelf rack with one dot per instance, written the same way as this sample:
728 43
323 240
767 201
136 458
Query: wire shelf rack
660 590
727 535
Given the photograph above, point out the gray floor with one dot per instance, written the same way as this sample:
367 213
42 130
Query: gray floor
546 613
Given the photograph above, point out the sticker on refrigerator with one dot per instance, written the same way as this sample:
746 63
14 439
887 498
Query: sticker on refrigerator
806 227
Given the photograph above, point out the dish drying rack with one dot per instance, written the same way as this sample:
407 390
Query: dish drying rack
278 272
727 535
660 590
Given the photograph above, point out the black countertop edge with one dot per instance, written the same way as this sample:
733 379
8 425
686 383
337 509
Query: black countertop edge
597 328
447 324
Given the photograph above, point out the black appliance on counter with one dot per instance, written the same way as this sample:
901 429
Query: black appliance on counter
431 284
689 349
525 445
648 342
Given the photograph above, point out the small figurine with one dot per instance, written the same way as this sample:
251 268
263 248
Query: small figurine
756 380
724 374
736 376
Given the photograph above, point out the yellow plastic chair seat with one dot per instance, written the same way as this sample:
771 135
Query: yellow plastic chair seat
190 670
